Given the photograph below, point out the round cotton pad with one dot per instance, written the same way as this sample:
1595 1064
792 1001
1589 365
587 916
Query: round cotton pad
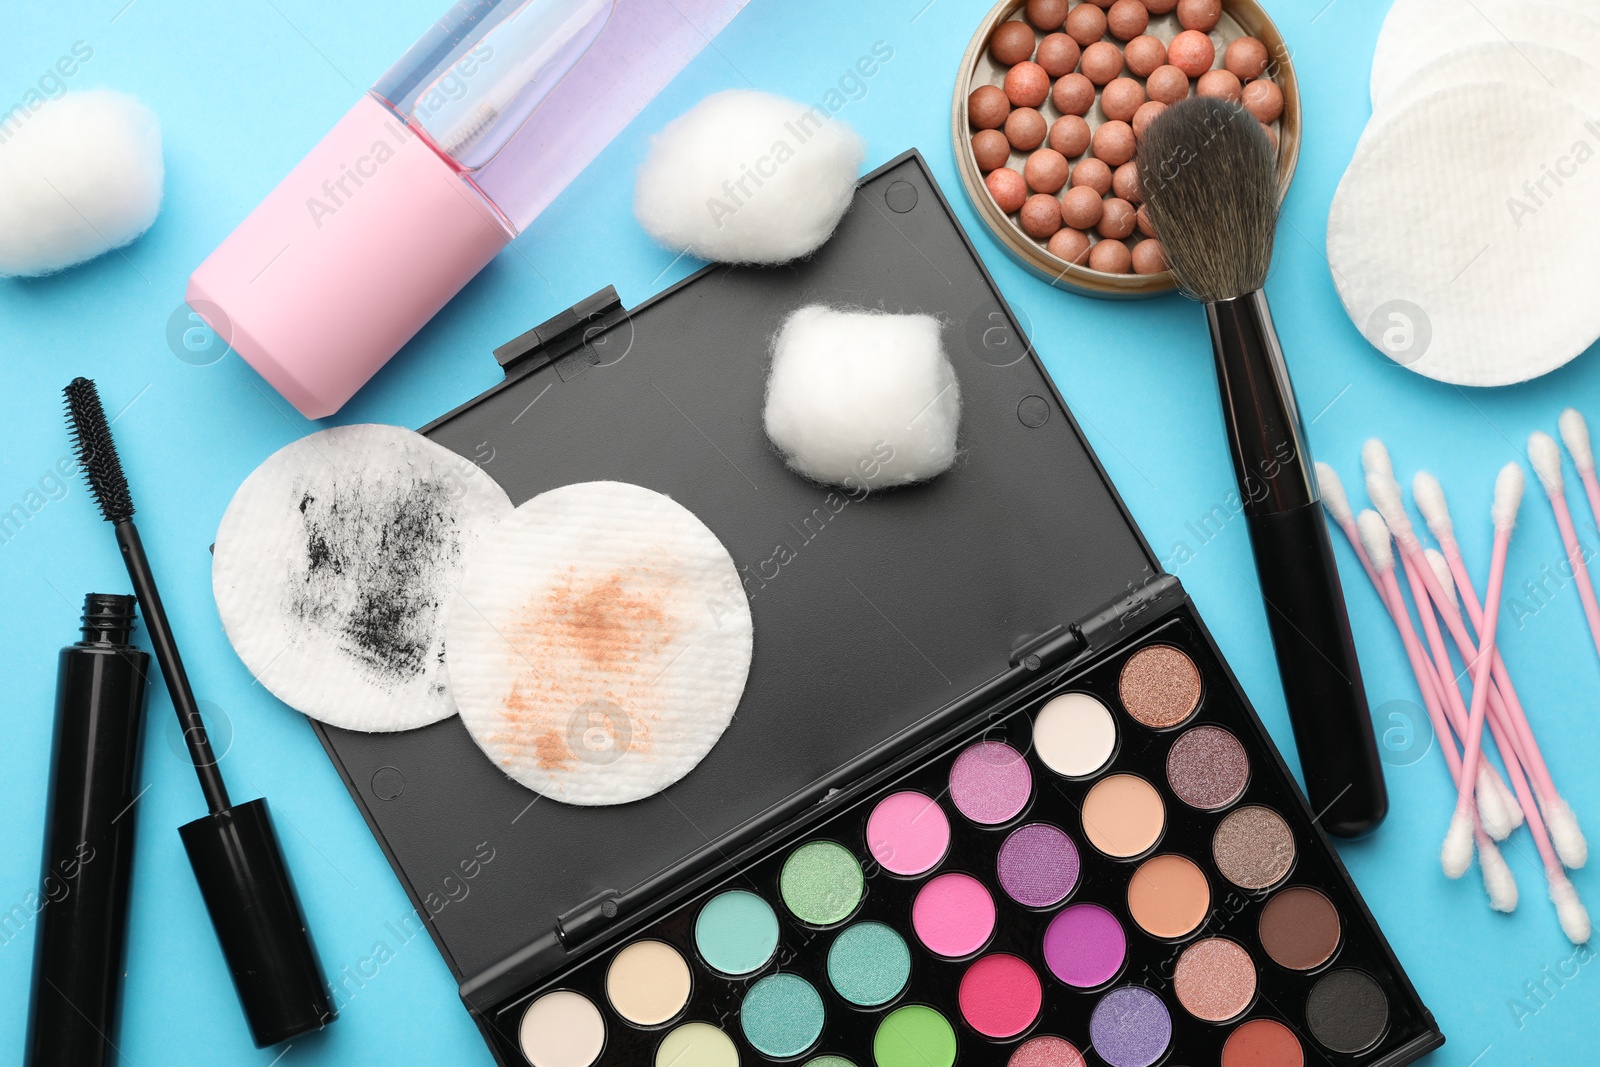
1507 63
1443 230
862 399
1417 32
333 566
599 644
747 177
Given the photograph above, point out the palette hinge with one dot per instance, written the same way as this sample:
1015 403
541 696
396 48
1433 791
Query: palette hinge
1119 619
1054 647
598 912
562 334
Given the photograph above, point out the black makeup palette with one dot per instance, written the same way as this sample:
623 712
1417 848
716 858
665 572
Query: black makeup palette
991 795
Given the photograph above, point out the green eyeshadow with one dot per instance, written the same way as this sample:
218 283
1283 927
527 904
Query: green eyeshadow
914 1036
736 932
782 1015
821 883
869 964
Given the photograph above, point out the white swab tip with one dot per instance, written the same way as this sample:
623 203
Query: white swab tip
1498 881
1333 494
1456 855
1565 835
1441 571
1375 458
1570 911
1508 489
1375 539
1508 798
1430 501
1491 806
1575 432
1385 494
1545 455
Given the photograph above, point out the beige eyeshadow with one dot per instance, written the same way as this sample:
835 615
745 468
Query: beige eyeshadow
562 1029
1253 848
1123 815
1168 896
648 983
1160 686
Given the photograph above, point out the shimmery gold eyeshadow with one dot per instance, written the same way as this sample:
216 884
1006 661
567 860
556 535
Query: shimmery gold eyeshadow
1253 848
1160 686
1300 928
1215 980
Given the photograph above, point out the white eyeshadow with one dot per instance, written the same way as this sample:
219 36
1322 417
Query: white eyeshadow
1074 735
562 1029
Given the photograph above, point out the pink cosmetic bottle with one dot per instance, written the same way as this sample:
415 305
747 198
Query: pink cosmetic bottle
447 158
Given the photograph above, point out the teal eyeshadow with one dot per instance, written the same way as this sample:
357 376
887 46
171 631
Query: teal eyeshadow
869 964
782 1015
737 932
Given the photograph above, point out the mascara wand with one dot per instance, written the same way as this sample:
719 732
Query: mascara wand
234 850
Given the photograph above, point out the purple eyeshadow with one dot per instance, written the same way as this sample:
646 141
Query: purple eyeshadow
990 782
1130 1027
1084 946
1038 865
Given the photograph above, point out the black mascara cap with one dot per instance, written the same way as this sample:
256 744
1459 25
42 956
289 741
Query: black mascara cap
257 917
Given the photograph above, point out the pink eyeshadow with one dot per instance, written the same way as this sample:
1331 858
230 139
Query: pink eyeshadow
1000 996
953 915
990 782
908 833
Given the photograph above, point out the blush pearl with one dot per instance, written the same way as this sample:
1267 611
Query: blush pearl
988 107
990 149
1027 84
1116 219
1007 188
1121 98
1125 182
1071 245
1246 58
1148 258
1141 219
1219 84
1058 55
1081 207
1045 171
1069 135
1127 19
1192 52
1145 54
1264 100
1114 143
1167 84
1040 216
1073 95
1110 257
1086 24
1202 15
1047 14
1148 112
1101 62
1011 43
1159 7
1025 129
1093 174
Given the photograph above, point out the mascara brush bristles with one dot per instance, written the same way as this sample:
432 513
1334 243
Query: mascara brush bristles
1209 176
97 452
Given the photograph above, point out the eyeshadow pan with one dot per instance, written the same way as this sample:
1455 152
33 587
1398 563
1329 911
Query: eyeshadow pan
1215 980
1074 735
1123 815
782 1015
1160 686
1168 896
1300 928
990 782
908 833
736 932
1208 768
1046 1051
1000 996
953 915
869 964
697 1045
1347 1011
648 983
1263 1043
1130 1027
1253 848
1038 865
914 1036
562 1029
1084 946
821 883
829 1061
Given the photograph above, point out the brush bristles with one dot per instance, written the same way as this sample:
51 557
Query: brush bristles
97 453
1208 174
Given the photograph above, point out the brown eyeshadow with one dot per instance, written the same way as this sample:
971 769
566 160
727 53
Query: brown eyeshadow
1160 686
1208 768
1300 928
1253 848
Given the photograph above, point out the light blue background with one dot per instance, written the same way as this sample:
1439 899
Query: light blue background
244 88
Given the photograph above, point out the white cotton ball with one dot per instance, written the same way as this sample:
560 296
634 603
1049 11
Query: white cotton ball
79 177
862 399
748 177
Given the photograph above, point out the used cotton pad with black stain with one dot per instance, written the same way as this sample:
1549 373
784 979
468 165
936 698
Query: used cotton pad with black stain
599 643
748 177
862 399
334 563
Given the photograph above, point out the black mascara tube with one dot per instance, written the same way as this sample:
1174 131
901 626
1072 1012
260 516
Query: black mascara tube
88 842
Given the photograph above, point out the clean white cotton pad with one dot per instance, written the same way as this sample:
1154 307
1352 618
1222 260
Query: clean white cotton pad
600 643
333 566
1417 32
1538 66
1443 231
747 177
862 399
78 177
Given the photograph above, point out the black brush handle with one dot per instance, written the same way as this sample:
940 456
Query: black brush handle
1299 581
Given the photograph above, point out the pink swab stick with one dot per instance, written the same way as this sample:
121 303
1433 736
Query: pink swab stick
1545 455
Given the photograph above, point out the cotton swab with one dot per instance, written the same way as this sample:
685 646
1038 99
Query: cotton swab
1456 855
1377 546
1337 502
1545 455
1575 432
1570 843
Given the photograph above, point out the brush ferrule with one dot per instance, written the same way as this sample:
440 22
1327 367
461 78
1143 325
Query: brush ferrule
1269 453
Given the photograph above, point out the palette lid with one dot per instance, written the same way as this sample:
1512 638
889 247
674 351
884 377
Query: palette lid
872 612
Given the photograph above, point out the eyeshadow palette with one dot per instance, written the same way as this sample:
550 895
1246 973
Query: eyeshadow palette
1120 872
990 795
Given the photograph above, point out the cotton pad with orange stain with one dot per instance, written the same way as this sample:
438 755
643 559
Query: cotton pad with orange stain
599 644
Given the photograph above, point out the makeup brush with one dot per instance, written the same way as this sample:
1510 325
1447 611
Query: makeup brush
1208 175
234 850
1545 455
